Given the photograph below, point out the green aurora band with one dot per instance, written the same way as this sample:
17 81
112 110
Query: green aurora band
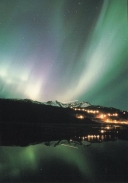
64 50
95 70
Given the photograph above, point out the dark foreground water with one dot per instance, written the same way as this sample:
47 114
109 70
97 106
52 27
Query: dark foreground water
98 154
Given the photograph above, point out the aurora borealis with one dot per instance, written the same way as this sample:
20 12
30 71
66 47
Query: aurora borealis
64 50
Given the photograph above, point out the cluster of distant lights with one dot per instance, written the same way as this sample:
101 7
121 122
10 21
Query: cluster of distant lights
89 138
100 115
88 111
94 137
95 111
103 131
98 137
104 134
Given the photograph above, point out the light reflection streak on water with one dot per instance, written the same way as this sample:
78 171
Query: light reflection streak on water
69 146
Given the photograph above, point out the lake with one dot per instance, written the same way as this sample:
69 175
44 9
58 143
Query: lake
32 153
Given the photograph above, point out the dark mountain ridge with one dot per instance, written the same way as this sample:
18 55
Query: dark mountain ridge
25 122
29 111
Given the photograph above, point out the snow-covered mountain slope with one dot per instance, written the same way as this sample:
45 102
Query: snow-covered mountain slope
65 105
54 103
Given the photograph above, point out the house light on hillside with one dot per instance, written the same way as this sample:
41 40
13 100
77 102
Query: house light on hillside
79 116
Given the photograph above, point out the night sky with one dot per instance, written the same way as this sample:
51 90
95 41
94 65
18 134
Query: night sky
64 50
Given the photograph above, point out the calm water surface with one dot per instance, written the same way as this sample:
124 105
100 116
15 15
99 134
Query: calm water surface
98 160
